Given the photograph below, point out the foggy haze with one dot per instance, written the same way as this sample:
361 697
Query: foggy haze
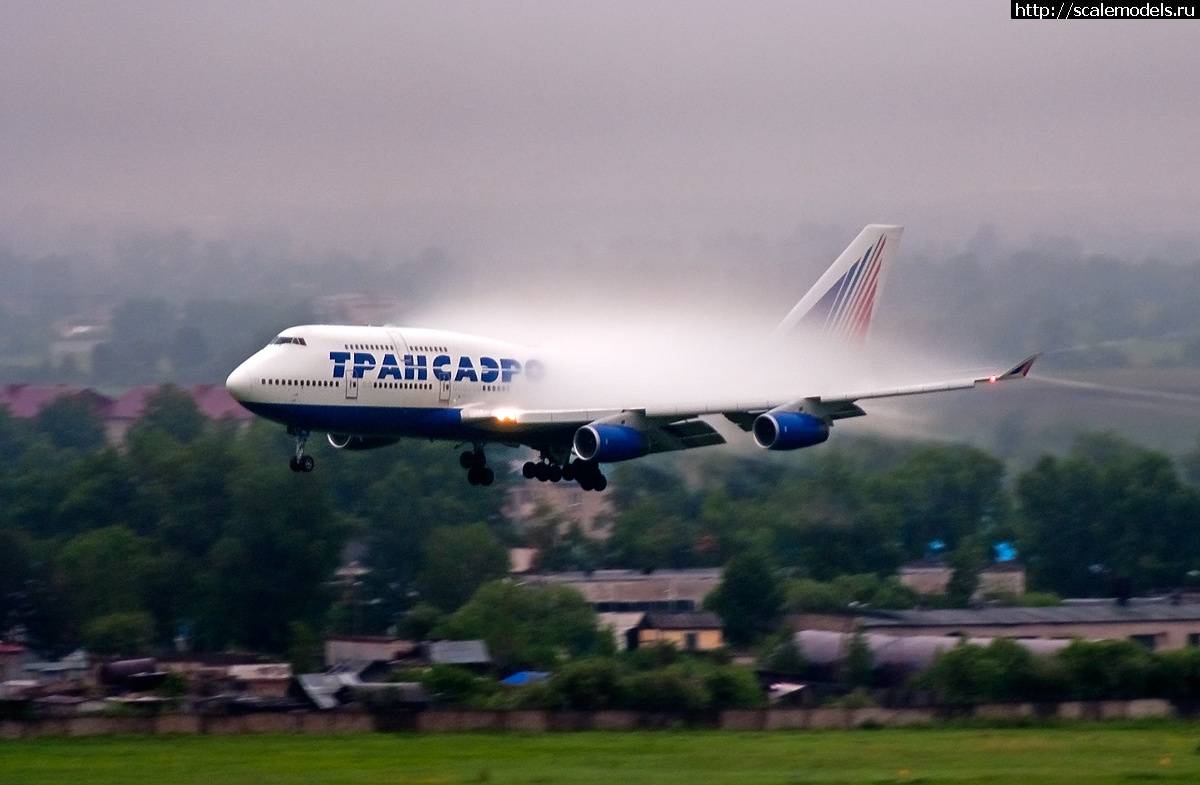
589 136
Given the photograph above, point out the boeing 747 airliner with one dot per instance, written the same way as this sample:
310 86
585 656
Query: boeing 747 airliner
369 387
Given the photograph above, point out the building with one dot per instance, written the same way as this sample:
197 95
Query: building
528 503
522 560
928 577
341 649
264 680
76 344
1001 578
465 654
12 661
629 591
26 401
118 414
218 672
1157 625
696 631
620 624
76 665
895 658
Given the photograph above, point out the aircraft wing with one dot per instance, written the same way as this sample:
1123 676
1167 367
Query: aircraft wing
841 406
666 432
679 427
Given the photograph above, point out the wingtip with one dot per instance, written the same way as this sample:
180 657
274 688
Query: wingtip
1021 369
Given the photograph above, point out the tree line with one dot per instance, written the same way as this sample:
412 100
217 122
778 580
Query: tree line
1004 671
198 531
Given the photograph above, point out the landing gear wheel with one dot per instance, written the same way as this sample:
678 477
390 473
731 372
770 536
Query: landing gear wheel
554 473
541 471
588 475
568 472
475 462
529 470
300 462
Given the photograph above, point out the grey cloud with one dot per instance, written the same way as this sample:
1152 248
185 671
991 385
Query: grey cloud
505 127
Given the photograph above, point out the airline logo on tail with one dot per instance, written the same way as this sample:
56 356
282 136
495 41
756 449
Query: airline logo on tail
841 303
845 310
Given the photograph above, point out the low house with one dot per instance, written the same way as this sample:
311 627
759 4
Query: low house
1156 625
620 624
213 401
472 655
696 631
26 401
927 577
12 660
76 666
268 680
894 658
1002 578
633 591
528 503
522 560
366 648
219 672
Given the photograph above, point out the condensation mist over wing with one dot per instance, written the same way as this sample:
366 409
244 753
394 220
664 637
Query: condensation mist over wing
640 353
637 343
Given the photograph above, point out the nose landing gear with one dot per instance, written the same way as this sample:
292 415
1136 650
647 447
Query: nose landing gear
301 462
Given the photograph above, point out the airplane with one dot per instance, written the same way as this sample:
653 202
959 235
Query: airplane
368 387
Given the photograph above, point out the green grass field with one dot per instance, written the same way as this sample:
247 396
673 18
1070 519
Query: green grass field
1084 754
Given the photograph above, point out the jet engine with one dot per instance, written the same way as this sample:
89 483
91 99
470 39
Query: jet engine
789 430
348 441
608 443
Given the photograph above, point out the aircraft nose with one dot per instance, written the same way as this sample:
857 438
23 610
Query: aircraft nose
239 383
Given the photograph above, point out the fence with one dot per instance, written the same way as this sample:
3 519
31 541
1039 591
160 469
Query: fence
457 721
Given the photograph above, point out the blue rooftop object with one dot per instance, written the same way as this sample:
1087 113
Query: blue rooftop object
524 677
1005 551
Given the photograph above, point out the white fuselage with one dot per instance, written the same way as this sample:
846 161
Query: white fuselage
386 381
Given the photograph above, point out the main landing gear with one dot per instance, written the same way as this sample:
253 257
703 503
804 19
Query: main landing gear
301 462
475 462
586 473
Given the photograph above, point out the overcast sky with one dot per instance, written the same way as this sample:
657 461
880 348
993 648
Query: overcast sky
503 128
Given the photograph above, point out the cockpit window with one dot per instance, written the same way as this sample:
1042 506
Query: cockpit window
289 339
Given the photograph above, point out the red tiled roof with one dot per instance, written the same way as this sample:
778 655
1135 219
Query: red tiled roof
215 402
25 400
131 404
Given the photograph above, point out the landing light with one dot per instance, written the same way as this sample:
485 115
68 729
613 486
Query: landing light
507 415
992 378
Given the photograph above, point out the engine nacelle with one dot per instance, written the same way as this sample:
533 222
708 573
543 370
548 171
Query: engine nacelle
789 430
348 441
608 443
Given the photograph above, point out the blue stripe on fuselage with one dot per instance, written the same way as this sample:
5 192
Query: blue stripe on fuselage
367 420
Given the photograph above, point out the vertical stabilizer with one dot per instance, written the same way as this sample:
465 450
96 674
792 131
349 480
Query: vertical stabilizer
841 303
